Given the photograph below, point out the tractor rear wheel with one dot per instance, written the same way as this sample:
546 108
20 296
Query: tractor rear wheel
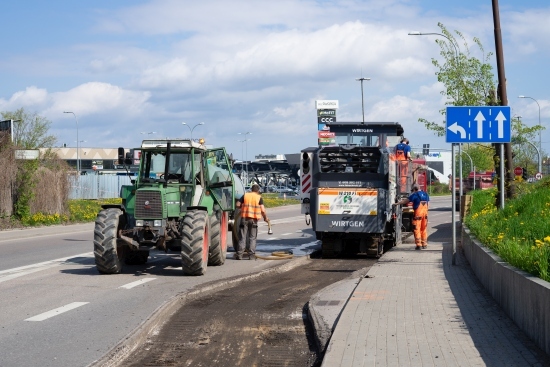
218 238
107 254
195 242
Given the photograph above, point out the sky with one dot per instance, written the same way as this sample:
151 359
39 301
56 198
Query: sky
251 71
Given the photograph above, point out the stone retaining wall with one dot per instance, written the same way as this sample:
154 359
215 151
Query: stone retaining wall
525 298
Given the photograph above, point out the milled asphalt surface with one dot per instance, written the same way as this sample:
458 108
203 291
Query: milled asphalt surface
414 308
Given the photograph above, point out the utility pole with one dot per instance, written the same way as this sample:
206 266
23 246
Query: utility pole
507 161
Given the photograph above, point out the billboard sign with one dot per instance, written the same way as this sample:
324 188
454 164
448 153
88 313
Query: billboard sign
326 134
7 125
326 120
326 104
323 113
327 141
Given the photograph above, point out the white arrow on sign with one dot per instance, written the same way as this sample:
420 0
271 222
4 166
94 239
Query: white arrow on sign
500 119
479 119
456 128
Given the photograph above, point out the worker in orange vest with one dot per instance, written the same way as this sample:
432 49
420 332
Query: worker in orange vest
420 200
403 156
252 209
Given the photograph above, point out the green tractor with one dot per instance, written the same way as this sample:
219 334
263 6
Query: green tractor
181 200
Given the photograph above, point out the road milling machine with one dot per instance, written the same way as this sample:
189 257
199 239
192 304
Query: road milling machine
349 183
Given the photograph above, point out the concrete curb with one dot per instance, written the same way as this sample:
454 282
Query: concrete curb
524 297
149 327
326 306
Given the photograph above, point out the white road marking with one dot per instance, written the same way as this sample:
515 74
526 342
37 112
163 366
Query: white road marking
286 220
271 239
9 274
57 311
286 234
136 283
26 236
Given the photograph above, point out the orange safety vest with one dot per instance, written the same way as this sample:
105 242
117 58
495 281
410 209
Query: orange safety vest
251 206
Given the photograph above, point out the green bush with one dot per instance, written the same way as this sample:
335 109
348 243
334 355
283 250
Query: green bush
439 189
274 200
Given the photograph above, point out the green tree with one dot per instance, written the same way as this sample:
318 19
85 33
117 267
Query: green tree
525 154
482 158
30 130
468 81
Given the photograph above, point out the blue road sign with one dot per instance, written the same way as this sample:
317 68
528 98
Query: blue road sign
478 124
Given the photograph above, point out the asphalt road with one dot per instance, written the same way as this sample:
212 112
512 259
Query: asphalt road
262 321
57 310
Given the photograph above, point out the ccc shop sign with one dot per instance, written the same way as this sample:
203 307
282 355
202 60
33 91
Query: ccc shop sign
326 120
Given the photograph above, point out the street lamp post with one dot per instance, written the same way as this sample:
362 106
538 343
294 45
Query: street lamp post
242 154
191 129
417 33
362 101
546 163
246 151
540 130
77 141
473 168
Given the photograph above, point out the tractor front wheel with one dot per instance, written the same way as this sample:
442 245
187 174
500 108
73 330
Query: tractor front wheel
107 254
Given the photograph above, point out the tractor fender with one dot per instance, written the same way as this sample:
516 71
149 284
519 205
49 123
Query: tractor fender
115 206
197 208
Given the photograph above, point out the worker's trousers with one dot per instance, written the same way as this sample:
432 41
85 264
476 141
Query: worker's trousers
420 224
403 175
248 232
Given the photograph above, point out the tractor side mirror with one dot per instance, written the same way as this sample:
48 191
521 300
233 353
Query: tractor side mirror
121 154
128 160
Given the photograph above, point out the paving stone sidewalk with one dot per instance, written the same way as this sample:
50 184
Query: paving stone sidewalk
414 308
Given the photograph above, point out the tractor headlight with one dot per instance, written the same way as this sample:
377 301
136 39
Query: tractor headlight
139 223
157 223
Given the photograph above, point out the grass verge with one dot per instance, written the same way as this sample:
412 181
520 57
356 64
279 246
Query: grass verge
520 233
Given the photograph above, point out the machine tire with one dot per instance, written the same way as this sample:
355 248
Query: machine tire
218 238
107 253
136 257
195 242
375 247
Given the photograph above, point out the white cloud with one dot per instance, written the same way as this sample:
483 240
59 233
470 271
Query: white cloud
98 98
30 97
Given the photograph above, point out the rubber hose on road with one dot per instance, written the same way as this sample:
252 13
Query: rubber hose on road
277 255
